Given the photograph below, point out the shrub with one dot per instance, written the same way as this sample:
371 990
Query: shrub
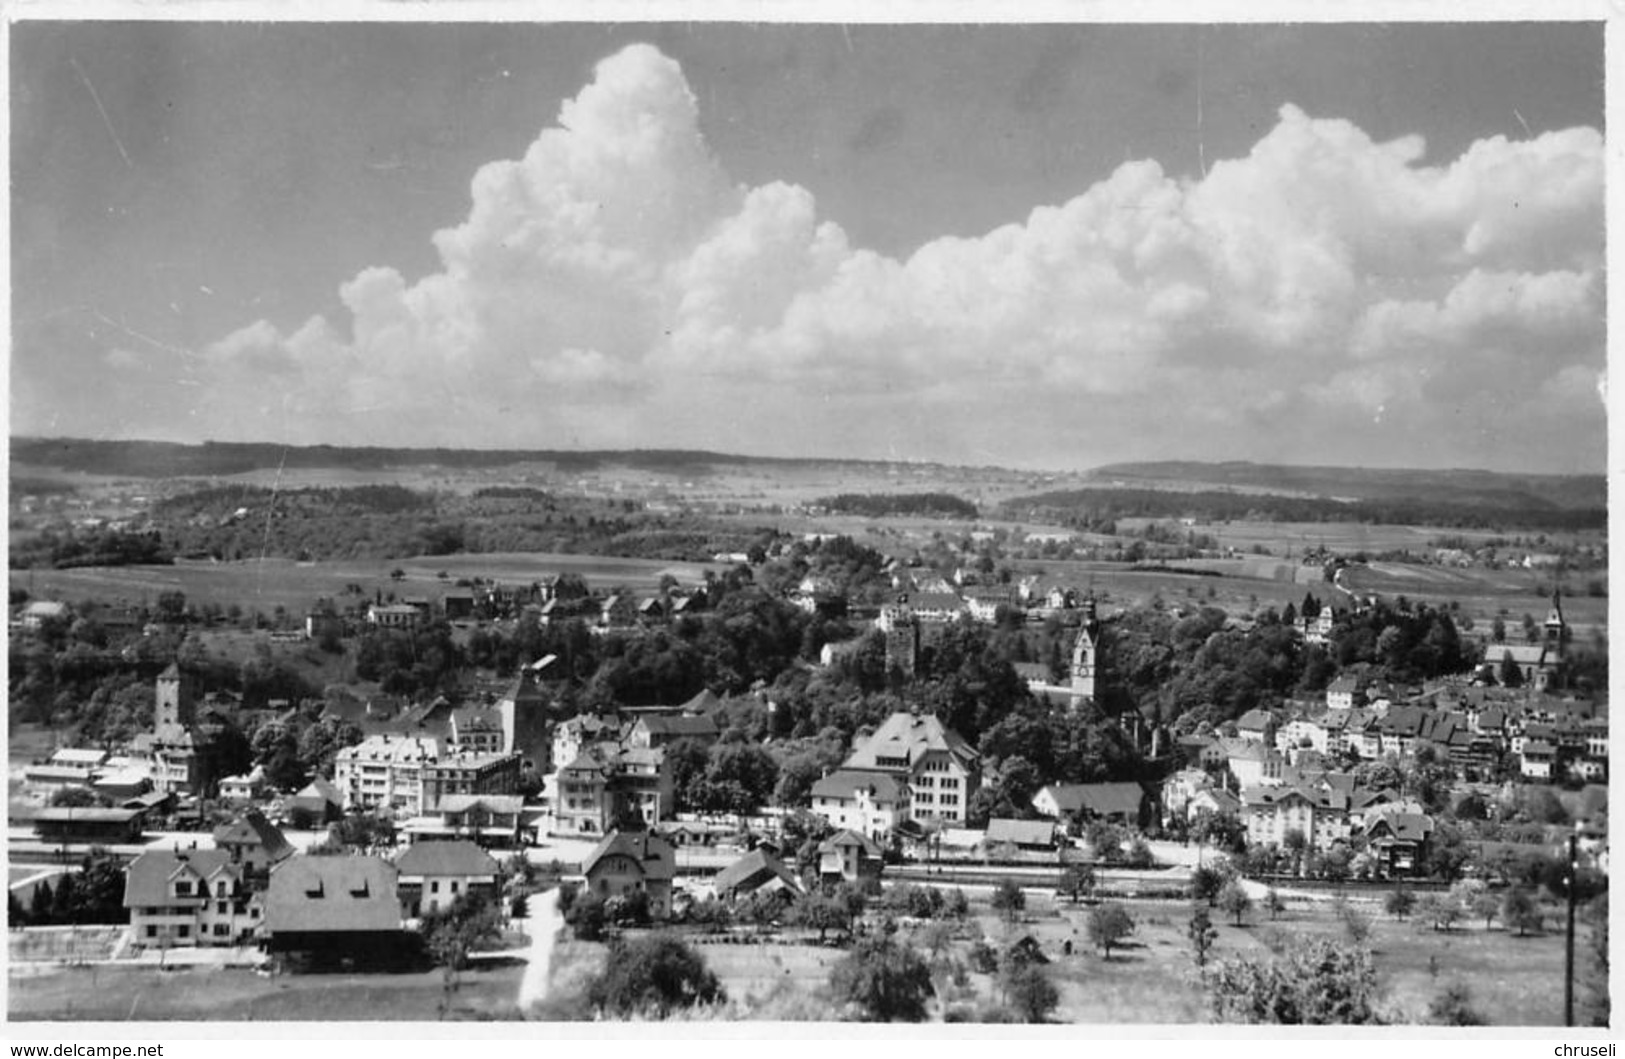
656 975
885 979
1109 925
1319 983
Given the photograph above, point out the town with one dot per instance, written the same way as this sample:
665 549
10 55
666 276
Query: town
717 762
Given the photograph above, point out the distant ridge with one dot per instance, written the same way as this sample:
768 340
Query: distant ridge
160 459
1459 488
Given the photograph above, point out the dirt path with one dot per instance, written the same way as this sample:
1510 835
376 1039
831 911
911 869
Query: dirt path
543 926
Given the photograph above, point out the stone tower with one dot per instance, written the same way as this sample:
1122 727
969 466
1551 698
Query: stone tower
1556 629
524 720
174 706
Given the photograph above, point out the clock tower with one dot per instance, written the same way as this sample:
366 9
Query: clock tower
1086 653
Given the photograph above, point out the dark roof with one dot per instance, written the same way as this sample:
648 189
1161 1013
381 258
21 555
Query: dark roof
332 895
1403 827
1021 832
64 815
456 857
849 838
502 804
1102 799
252 828
706 702
679 727
146 881
754 869
653 854
845 783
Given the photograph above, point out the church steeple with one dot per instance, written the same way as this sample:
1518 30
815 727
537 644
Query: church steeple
1086 652
1556 628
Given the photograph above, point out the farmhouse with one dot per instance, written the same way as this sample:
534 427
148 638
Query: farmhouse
336 908
627 861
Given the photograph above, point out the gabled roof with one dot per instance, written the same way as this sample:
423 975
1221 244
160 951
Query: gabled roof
753 870
701 727
319 789
1099 799
457 857
910 736
653 854
147 880
845 783
252 828
705 703
1255 720
1021 832
1321 798
1402 827
500 804
849 838
338 895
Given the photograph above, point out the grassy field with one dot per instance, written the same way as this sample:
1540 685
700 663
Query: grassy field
117 994
269 583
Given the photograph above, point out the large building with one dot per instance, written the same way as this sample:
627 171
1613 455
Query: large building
411 774
188 898
941 769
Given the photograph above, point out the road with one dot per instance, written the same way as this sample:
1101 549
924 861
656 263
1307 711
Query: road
543 925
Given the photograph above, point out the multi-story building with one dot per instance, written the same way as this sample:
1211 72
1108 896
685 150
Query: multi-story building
385 772
941 769
870 803
605 780
1319 812
185 898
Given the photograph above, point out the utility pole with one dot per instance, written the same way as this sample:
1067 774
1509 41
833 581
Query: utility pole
1568 950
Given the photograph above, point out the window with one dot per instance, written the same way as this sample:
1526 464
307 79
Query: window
183 931
220 888
183 888
434 887
221 930
221 906
152 931
454 886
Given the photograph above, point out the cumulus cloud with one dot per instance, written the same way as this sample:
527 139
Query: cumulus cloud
1322 280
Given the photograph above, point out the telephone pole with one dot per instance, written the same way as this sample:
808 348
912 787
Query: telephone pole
1568 951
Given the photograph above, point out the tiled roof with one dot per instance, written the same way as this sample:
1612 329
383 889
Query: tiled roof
332 895
456 857
910 736
1101 799
680 727
252 828
653 854
1021 832
849 838
147 880
846 783
752 870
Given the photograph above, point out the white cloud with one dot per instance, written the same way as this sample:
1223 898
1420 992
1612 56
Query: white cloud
1322 275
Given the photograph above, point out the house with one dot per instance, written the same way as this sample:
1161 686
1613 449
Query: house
943 770
1398 840
332 909
64 825
433 875
571 737
477 729
1113 803
1252 763
1215 801
253 842
650 732
758 871
244 787
1202 751
1345 693
384 772
627 861
871 803
35 616
393 615
1319 813
189 898
1030 835
847 856
1256 726
317 803
1537 759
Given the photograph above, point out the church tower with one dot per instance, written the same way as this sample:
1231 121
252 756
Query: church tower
1086 653
1557 630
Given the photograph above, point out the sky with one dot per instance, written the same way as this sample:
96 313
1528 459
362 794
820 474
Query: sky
1036 246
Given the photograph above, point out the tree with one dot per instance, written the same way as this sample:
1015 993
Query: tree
1320 982
1109 924
1521 912
885 979
657 974
1400 902
1009 900
1206 884
823 913
1235 902
586 917
1273 903
1202 933
1029 991
1439 911
1077 879
450 934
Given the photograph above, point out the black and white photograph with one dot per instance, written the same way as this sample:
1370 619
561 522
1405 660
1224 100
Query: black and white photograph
1082 522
